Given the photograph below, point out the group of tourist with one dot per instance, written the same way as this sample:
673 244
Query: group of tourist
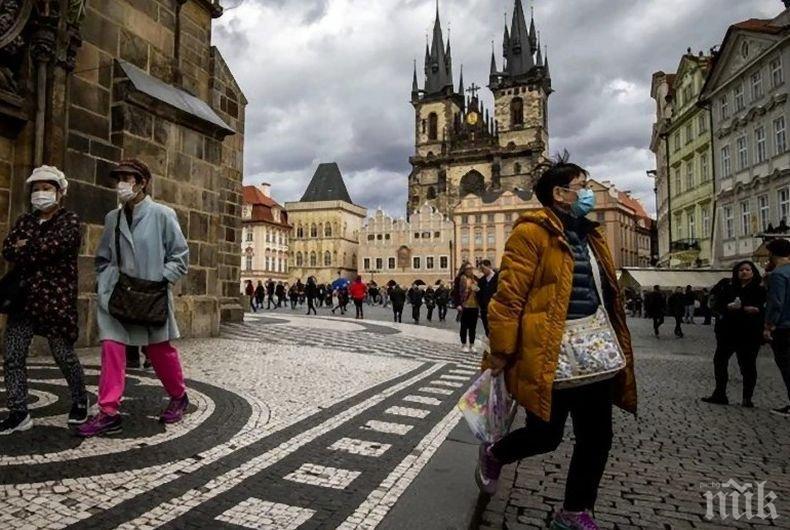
141 254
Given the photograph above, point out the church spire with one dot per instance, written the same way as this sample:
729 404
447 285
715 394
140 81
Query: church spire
546 73
534 42
461 82
538 56
415 88
493 70
506 39
438 68
519 53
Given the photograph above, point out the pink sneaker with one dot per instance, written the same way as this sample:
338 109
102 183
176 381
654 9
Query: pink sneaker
175 410
100 425
566 520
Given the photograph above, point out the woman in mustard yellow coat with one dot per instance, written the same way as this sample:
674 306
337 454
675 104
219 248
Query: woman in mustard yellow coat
546 279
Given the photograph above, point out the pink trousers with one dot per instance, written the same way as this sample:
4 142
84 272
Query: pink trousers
164 358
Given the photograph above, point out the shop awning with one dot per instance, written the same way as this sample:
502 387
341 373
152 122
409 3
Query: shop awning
646 278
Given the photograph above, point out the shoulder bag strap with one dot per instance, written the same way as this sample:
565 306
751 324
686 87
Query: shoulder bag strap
118 239
596 271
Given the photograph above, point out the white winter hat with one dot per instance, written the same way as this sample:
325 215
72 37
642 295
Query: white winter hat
49 174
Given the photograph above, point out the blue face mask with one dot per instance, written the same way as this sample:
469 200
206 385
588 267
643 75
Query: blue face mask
584 204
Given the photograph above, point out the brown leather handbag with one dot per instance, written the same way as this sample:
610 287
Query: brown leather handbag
135 300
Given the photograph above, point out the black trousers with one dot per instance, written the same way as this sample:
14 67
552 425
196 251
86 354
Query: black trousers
781 348
746 353
484 318
657 323
469 324
429 310
397 313
310 305
442 311
678 321
270 302
252 304
590 406
358 306
415 312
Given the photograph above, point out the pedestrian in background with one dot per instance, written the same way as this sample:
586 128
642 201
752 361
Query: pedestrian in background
691 304
311 292
704 304
249 290
43 246
739 332
467 306
328 293
487 287
677 308
358 292
429 297
321 294
293 295
415 297
279 291
270 289
260 294
541 287
442 299
777 312
656 306
398 299
142 240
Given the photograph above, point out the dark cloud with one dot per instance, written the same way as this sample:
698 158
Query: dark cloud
329 80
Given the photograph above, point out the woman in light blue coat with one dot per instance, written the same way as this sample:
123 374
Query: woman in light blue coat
153 248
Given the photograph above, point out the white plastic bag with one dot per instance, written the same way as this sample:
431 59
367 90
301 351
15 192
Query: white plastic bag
487 407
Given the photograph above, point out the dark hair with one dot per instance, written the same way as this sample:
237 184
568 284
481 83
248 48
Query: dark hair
486 262
656 287
779 247
464 265
558 172
756 277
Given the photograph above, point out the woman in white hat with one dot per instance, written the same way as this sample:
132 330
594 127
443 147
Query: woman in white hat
43 245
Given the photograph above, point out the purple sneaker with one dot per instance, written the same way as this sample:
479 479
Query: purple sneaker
100 425
488 469
566 520
175 410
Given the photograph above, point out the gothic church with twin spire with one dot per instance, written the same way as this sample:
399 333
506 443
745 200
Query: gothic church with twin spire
459 147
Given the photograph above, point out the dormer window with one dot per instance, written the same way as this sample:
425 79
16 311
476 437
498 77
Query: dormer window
246 212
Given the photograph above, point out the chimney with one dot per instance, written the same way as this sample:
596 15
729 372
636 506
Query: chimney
265 188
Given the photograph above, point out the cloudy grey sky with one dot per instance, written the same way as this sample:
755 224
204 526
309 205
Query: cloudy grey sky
330 80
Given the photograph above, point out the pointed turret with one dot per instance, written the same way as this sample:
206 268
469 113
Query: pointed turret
461 82
438 68
415 88
546 73
493 70
533 39
519 53
538 55
506 39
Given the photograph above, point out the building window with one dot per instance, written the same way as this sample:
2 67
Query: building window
366 263
677 141
248 263
784 203
743 152
676 171
378 237
478 238
745 218
429 262
516 111
764 210
299 259
678 227
689 133
443 262
464 237
702 123
437 235
690 175
379 263
726 167
299 232
729 228
739 103
425 235
328 230
724 108
517 168
757 85
415 262
779 135
249 236
268 237
478 219
433 126
371 237
313 230
313 259
490 239
703 166
390 263
387 237
686 94
705 221
465 219
327 259
777 76
759 144
691 224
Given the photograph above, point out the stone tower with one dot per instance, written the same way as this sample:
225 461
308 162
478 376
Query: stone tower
459 147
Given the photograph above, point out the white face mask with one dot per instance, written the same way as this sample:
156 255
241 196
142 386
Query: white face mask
126 192
43 200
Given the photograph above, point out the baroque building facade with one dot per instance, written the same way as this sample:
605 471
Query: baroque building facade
748 94
462 148
326 227
406 251
83 85
265 236
690 167
662 91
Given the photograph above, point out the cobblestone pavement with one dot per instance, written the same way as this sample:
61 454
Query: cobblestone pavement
305 422
295 422
663 463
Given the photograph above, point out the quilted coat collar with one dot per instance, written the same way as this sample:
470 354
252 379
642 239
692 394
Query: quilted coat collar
546 218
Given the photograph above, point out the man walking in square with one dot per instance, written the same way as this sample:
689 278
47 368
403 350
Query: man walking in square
777 312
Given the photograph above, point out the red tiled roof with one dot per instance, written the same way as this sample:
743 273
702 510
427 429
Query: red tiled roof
760 25
262 207
634 204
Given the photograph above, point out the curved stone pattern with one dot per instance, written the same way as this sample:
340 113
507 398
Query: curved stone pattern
295 423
